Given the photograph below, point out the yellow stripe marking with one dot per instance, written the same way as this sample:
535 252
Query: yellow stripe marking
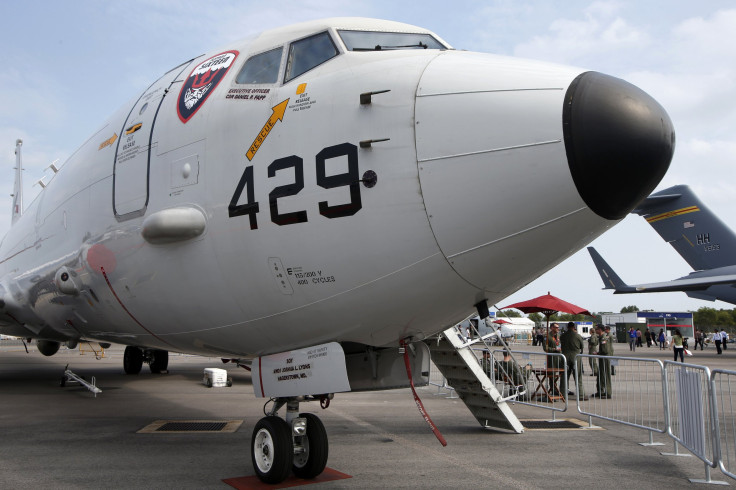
672 214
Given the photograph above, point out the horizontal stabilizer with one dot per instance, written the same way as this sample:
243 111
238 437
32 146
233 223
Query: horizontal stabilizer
694 284
687 283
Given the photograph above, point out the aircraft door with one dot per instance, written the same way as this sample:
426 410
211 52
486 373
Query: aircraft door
133 154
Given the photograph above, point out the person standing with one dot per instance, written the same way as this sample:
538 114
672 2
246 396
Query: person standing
571 344
593 349
648 336
611 341
724 339
603 380
552 345
632 339
677 345
698 339
638 338
717 340
486 363
662 338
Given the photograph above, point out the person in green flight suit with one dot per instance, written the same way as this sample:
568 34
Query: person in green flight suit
552 345
508 370
571 344
486 363
603 380
592 349
612 340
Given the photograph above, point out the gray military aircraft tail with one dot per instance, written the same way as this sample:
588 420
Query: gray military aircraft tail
698 235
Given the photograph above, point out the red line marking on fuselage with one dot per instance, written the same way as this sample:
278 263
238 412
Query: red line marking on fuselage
260 377
102 269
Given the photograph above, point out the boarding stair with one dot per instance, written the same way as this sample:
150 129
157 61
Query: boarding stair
457 362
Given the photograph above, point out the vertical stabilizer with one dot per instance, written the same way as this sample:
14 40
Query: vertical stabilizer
692 229
18 186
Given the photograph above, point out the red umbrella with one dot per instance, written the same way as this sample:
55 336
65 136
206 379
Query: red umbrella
548 305
500 321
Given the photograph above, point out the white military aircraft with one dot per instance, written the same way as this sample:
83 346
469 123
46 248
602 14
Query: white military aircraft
312 197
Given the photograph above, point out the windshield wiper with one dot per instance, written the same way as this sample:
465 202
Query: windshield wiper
379 47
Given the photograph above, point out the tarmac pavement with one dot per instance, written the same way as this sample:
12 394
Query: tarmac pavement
56 437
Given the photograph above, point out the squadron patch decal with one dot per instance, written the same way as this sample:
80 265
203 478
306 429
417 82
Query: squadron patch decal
201 82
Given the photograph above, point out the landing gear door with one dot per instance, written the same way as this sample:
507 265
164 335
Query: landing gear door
133 155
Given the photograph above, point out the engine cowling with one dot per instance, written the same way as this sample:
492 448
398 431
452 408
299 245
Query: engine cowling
47 347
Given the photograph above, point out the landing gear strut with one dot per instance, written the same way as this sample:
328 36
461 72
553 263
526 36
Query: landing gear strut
134 357
297 444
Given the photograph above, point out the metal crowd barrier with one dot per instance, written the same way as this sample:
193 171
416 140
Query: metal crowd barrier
723 388
691 419
690 416
542 374
637 394
693 405
438 380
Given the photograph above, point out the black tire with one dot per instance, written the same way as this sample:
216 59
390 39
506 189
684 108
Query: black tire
132 360
160 361
208 383
272 450
312 462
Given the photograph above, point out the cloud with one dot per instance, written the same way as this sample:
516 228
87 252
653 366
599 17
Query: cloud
684 64
601 33
29 93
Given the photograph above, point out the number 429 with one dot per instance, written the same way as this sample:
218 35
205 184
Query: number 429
350 179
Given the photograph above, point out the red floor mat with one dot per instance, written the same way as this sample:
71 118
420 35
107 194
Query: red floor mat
253 483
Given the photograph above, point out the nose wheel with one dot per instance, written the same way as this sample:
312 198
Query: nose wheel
272 449
297 444
311 449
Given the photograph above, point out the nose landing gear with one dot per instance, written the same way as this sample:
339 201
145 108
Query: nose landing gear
297 444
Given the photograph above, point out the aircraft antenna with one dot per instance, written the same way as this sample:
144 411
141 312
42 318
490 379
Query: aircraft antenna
18 187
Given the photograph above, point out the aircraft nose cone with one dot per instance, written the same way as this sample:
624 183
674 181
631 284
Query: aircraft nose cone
619 142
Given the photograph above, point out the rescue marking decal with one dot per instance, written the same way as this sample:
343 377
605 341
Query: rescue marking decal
201 82
277 114
108 142
303 101
672 214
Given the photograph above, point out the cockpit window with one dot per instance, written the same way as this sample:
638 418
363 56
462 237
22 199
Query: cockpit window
379 41
307 53
261 68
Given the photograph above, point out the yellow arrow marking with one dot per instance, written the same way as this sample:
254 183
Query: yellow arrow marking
277 115
108 142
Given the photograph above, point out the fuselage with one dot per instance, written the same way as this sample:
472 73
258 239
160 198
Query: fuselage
235 209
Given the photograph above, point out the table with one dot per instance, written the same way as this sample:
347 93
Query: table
553 374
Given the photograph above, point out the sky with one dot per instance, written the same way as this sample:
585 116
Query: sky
67 66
